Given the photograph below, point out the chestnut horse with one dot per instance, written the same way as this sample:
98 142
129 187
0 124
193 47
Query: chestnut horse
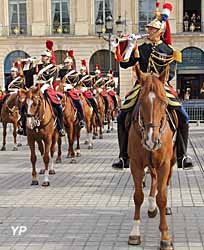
112 112
40 127
10 114
71 127
101 109
151 144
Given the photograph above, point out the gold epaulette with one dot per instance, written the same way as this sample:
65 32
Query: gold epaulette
177 55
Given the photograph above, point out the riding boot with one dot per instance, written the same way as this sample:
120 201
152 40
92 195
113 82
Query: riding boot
95 109
22 129
106 109
183 161
115 102
123 143
80 113
60 122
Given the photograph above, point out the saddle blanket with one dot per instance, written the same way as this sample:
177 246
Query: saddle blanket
54 96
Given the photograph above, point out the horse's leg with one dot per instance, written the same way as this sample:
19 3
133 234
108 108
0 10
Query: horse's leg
59 153
89 129
137 173
152 208
71 135
161 198
15 148
47 143
4 136
78 153
109 120
52 151
33 159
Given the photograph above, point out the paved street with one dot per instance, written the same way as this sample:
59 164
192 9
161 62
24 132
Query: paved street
89 205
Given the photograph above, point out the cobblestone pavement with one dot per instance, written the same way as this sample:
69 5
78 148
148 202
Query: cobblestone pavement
89 205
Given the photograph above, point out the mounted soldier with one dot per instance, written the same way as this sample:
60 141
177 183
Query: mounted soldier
110 86
47 72
153 56
85 83
15 81
69 77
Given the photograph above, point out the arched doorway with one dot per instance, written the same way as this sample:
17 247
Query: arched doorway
102 57
190 73
60 55
11 58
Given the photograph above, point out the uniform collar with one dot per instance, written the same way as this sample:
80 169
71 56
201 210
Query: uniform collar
154 44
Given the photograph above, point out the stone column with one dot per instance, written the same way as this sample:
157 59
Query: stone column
179 15
202 15
4 21
81 22
41 12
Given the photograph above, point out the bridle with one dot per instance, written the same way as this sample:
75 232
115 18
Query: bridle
142 126
37 118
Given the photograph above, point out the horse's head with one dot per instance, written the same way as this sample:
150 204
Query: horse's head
33 97
151 108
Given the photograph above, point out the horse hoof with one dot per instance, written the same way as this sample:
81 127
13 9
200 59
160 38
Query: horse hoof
101 137
78 154
58 160
52 172
15 148
3 148
45 183
93 137
108 131
34 183
152 214
73 161
86 142
112 129
42 171
168 211
166 245
90 146
19 144
134 240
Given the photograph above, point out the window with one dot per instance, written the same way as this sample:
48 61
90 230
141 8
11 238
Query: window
60 16
103 9
17 17
146 12
192 57
13 57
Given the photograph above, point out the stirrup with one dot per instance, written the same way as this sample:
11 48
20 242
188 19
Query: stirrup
184 159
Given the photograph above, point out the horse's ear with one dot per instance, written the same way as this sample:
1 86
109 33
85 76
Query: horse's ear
139 73
164 76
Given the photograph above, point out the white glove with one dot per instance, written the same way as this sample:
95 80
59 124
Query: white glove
44 87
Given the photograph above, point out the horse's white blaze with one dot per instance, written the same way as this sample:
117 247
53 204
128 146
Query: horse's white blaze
136 228
29 103
46 176
150 142
152 203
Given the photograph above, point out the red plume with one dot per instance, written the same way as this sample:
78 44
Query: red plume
49 46
157 4
167 34
70 53
83 62
98 66
168 6
16 64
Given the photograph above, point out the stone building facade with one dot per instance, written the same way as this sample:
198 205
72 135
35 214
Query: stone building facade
26 24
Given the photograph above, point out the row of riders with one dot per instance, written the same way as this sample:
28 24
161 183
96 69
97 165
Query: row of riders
150 117
57 79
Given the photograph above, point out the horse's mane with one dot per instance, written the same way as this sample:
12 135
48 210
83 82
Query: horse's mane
152 83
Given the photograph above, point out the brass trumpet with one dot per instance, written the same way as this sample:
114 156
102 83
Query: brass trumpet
132 38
